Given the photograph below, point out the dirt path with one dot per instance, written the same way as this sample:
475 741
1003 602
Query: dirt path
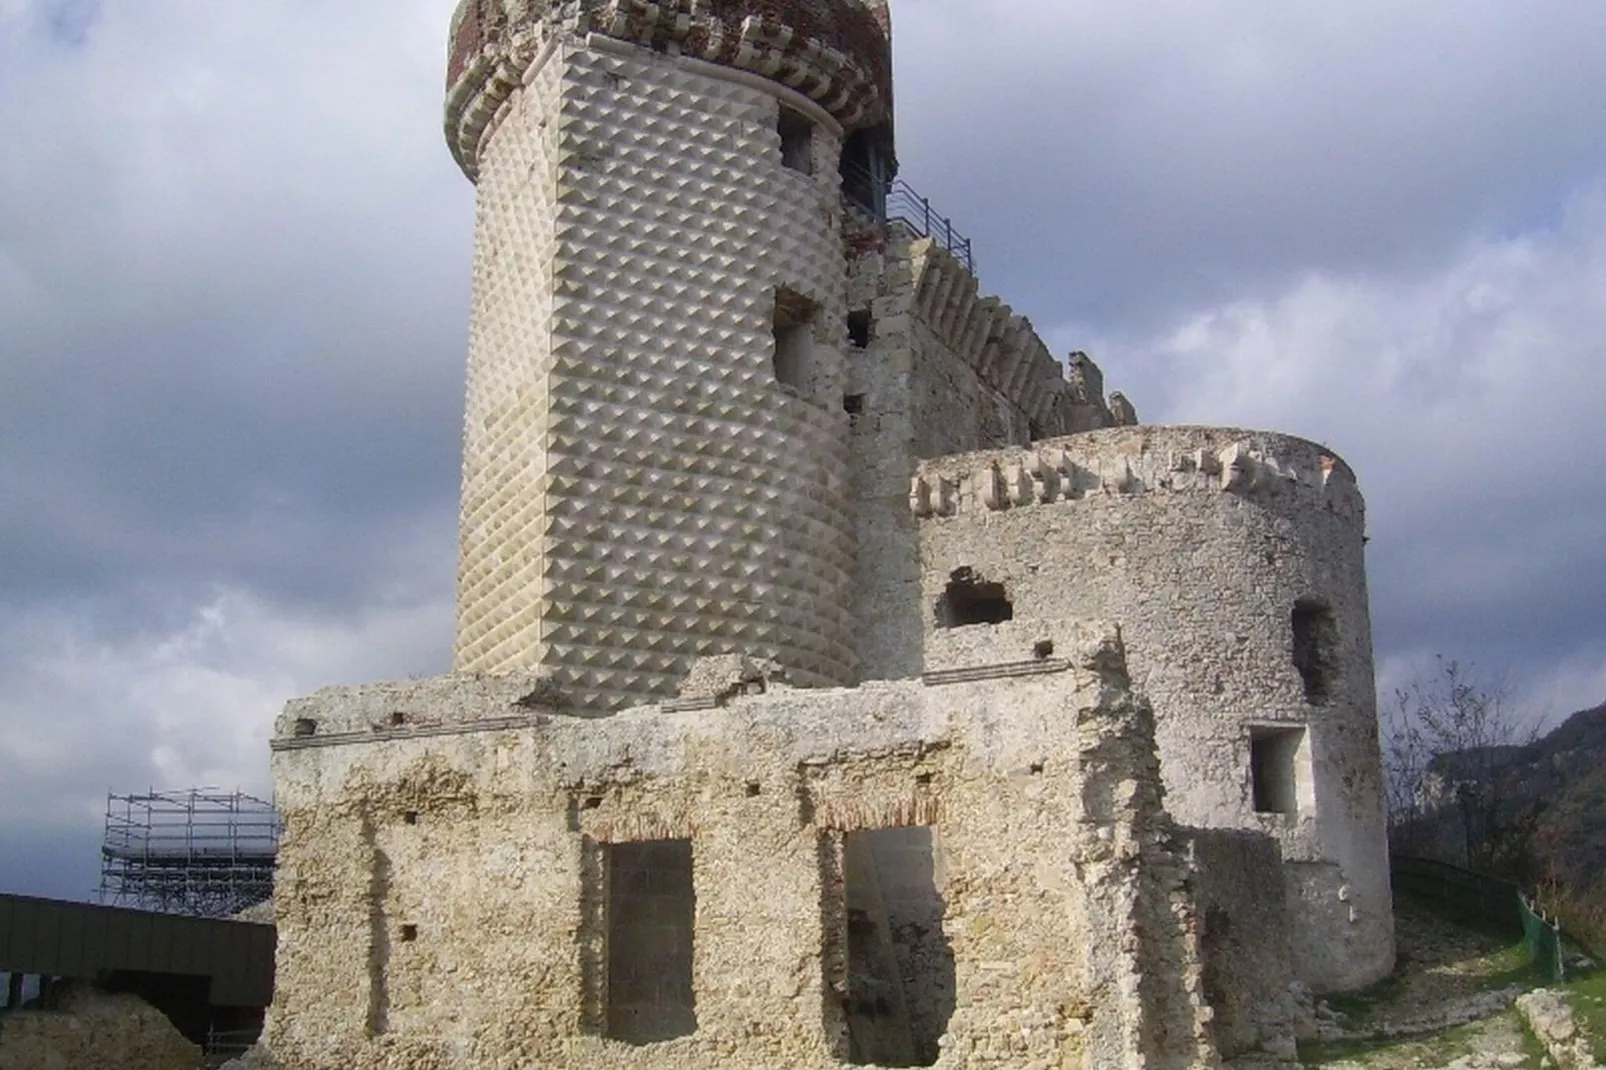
1447 1005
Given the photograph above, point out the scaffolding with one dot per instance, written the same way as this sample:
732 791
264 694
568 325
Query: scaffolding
200 852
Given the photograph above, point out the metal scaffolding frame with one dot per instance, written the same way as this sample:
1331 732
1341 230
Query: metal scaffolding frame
201 851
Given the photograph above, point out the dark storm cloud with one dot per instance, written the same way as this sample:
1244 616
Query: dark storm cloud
1175 153
234 271
234 329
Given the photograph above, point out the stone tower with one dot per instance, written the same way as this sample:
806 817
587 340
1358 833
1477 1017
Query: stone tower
656 454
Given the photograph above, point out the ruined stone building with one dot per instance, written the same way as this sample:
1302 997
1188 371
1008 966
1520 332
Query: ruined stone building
839 680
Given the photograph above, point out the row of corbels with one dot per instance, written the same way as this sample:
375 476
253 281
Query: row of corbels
1054 476
1039 480
764 46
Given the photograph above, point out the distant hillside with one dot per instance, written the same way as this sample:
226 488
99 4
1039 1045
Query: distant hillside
1548 812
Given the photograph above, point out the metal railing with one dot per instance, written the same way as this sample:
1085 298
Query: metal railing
885 202
1485 901
224 1045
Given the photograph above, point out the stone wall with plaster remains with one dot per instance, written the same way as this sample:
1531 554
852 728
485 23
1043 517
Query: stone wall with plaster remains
443 894
1234 562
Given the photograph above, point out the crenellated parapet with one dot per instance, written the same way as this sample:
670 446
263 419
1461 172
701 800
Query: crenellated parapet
1005 350
835 52
1253 465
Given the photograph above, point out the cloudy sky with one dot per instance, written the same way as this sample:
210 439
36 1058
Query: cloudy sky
234 267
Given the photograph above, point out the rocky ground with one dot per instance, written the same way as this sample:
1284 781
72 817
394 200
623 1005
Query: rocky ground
1450 1004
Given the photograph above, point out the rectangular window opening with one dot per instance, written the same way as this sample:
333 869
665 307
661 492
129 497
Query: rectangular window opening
1274 769
859 326
794 340
797 141
891 963
650 910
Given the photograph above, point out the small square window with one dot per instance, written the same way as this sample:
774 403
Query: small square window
1274 768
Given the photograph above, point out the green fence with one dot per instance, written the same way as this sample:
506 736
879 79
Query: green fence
1483 901
1542 937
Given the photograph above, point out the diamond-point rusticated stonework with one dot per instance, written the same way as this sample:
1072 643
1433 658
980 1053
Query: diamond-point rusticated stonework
639 489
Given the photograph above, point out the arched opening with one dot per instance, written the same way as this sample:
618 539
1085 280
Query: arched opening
890 962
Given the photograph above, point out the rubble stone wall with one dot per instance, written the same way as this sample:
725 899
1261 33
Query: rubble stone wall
1202 543
947 370
436 907
1242 907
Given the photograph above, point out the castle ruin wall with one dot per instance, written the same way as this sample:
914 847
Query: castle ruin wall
945 370
439 902
1212 548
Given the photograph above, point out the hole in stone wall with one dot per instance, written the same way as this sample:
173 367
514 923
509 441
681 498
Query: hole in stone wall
409 933
651 907
897 991
1273 769
398 718
1037 768
753 789
593 802
411 817
970 599
797 141
1315 645
853 404
1043 649
794 340
859 328
306 726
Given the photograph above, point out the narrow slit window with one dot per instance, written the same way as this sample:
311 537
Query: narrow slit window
859 324
794 340
651 907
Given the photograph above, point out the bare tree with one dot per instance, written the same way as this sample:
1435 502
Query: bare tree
1446 739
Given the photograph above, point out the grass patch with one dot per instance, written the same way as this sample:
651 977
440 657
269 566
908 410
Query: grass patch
1361 1003
1587 994
1396 1051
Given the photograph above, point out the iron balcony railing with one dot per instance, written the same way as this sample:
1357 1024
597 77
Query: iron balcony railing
886 201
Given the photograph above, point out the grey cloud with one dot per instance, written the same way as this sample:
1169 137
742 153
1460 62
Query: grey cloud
1116 162
234 271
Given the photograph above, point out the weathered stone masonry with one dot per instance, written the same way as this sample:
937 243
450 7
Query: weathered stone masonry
779 734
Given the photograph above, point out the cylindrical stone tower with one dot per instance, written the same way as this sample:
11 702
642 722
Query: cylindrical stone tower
655 446
1233 562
